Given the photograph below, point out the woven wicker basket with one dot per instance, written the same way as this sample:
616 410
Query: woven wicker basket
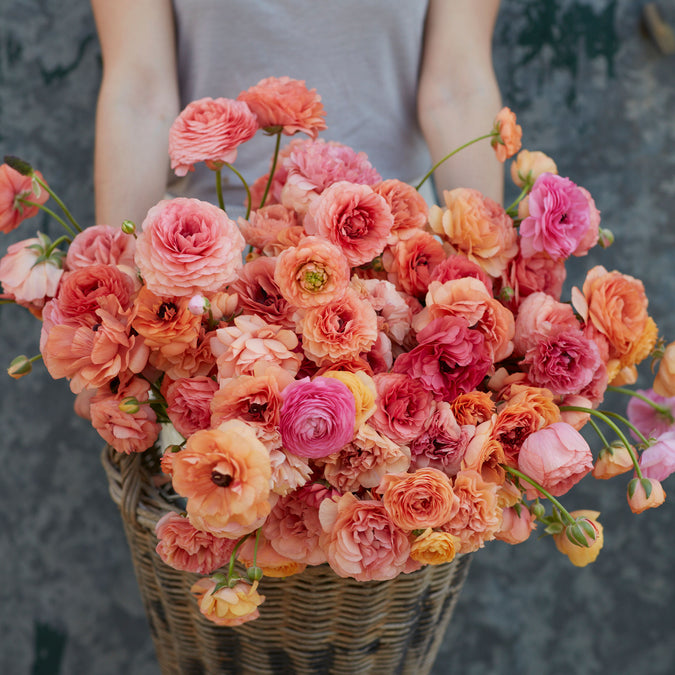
310 623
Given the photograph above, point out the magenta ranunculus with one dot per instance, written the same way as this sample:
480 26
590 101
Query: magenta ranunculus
450 359
649 420
317 417
658 460
559 217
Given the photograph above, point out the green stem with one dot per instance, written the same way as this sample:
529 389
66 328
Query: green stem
661 409
233 557
612 426
55 244
255 548
55 197
454 152
272 170
548 495
595 426
49 212
219 189
245 184
632 427
518 199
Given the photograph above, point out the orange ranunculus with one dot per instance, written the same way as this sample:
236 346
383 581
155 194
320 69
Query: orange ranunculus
473 407
639 501
476 226
612 461
228 606
485 454
579 555
194 361
225 475
408 206
272 563
508 141
419 500
664 382
434 548
528 166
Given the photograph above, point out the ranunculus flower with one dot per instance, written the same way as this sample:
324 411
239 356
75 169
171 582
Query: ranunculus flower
225 475
527 275
458 266
434 548
227 606
354 218
407 205
639 501
189 404
613 460
289 472
286 103
658 460
14 187
477 227
188 246
209 130
360 539
557 457
270 561
529 165
312 274
590 239
185 548
485 454
517 525
194 361
559 218
580 556
264 225
647 419
664 382
450 358
419 500
101 245
362 387
317 417
508 141
473 407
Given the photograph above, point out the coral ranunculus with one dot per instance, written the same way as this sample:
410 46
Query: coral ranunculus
15 187
508 141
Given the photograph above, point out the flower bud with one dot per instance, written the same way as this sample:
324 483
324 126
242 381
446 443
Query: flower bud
664 382
538 510
605 237
585 529
613 460
645 493
254 574
198 305
129 405
506 294
128 227
20 165
528 166
20 366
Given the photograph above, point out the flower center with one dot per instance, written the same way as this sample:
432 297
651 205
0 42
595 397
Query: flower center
221 479
167 310
314 278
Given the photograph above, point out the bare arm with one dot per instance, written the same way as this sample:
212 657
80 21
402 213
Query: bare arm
458 93
137 103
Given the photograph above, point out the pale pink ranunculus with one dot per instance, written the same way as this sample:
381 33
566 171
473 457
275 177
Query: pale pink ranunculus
250 344
101 245
658 460
450 359
559 218
647 419
126 432
189 403
360 539
28 280
188 246
317 416
14 186
403 406
182 546
557 457
540 317
209 130
289 472
354 218
286 103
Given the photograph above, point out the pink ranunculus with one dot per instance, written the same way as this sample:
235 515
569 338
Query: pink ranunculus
14 187
354 218
565 362
28 280
286 103
527 275
189 403
188 246
450 359
264 225
457 266
557 457
209 130
185 548
101 245
590 239
360 539
403 406
647 419
317 417
658 460
559 218
517 525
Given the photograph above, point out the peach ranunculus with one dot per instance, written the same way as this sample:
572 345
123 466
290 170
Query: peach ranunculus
251 343
507 142
362 387
579 555
14 188
473 407
194 361
529 165
286 103
485 454
188 246
364 461
476 226
360 539
354 218
343 328
101 245
225 475
434 547
613 460
479 515
185 548
517 525
209 130
189 404
407 205
664 382
639 500
419 500
227 606
312 274
270 561
127 432
265 224
557 457
289 472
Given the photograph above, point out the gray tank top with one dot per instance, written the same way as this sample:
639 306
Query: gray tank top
362 56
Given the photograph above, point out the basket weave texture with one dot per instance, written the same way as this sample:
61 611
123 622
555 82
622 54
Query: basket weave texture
310 624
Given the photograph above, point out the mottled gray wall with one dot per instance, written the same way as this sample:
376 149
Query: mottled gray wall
591 90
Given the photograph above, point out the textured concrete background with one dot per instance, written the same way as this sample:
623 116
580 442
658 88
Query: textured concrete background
591 90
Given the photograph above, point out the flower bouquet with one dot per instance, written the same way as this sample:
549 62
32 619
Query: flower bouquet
362 386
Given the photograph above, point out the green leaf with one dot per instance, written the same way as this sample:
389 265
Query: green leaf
18 164
589 530
554 528
576 536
